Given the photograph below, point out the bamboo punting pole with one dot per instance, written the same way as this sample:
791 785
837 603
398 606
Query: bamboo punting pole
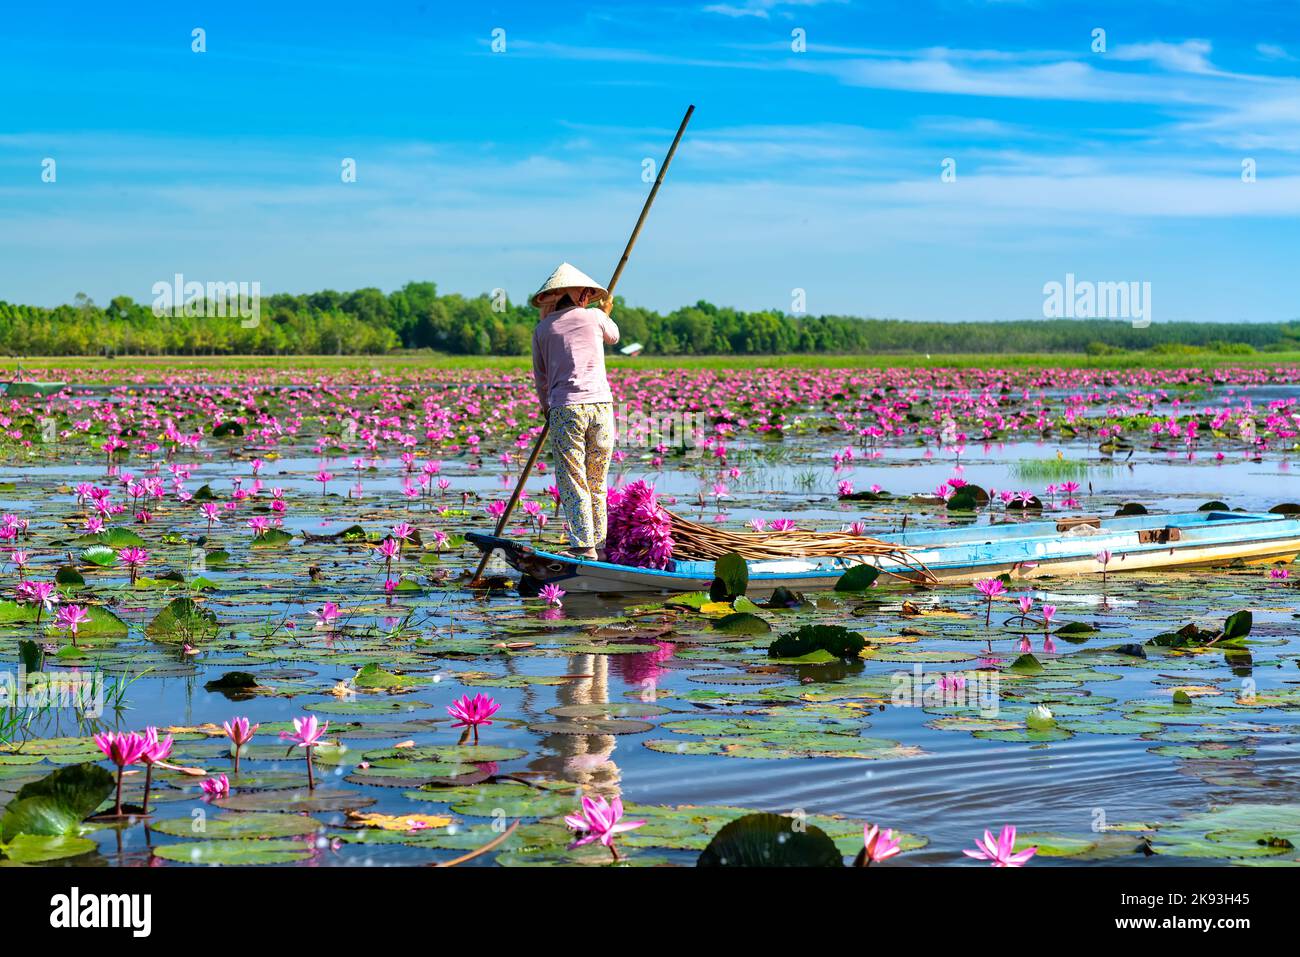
618 272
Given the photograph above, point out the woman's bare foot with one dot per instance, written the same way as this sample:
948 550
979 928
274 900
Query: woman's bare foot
581 552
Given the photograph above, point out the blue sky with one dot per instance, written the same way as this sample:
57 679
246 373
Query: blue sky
817 170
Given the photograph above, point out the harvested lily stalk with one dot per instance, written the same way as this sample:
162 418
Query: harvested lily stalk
490 845
692 540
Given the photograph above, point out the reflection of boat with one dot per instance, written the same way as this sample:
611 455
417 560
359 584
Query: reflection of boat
1069 546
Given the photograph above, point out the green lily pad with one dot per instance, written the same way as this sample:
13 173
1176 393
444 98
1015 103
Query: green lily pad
857 579
770 840
592 726
731 578
57 803
371 677
742 623
1027 735
42 848
272 538
239 825
183 619
99 555
242 852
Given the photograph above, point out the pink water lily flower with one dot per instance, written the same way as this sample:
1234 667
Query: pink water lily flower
327 614
71 617
601 821
990 588
1103 558
216 787
877 846
307 732
122 749
240 732
1000 853
472 712
389 549
133 558
212 512
1049 612
949 684
156 749
44 595
551 594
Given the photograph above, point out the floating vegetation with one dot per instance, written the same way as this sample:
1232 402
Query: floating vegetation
268 577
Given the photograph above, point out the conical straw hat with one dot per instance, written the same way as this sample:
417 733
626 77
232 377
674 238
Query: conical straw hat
569 277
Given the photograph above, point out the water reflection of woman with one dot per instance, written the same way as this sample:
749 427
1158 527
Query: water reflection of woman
584 759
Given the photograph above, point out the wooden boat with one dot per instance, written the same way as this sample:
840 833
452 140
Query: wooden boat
1022 550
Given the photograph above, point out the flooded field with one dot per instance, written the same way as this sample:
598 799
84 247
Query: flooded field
184 550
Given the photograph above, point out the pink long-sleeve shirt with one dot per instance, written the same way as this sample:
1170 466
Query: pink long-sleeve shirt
569 357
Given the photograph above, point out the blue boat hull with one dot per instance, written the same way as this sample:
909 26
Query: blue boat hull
1023 550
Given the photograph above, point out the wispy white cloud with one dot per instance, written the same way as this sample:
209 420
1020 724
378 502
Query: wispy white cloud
415 215
730 10
1189 56
764 9
1197 99
1062 80
1272 51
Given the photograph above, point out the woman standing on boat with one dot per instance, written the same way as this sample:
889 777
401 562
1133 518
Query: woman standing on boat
569 371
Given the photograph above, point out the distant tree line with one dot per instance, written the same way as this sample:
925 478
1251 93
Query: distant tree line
368 321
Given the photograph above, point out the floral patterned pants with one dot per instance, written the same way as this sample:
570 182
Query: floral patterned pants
582 438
